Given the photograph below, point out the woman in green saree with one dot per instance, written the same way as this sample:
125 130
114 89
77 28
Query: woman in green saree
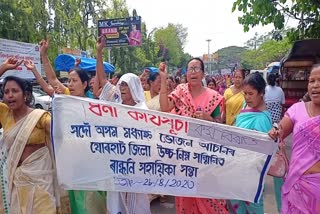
254 116
81 202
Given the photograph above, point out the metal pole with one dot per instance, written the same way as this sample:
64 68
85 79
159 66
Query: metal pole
209 58
109 55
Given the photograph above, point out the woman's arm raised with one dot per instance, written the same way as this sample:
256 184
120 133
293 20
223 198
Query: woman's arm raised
166 105
101 77
50 74
43 84
9 64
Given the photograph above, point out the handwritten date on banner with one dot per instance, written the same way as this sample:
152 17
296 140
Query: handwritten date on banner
173 185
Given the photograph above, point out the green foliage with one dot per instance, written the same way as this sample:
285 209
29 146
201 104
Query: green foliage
276 12
73 24
171 41
73 21
20 21
259 51
269 51
229 56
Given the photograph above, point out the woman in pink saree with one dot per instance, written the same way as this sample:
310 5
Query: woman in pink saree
135 36
192 99
301 190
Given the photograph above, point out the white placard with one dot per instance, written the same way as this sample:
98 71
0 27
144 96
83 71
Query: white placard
20 50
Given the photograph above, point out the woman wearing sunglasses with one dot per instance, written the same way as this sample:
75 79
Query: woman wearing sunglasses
192 99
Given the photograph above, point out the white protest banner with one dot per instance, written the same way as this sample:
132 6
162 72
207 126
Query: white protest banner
20 50
106 146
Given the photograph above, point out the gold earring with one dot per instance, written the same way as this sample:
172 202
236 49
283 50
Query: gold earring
25 99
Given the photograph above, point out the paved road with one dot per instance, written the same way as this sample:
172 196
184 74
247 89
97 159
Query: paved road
169 206
269 198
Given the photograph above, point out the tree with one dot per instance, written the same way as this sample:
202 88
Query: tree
171 41
275 12
73 24
73 21
255 42
229 57
269 51
24 20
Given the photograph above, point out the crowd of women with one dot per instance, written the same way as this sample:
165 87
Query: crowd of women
27 166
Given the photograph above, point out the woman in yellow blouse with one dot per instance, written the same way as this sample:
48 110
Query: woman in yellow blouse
27 171
234 98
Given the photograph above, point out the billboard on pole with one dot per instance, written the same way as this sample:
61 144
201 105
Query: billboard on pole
121 31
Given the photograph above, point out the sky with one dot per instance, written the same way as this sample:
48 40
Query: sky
205 19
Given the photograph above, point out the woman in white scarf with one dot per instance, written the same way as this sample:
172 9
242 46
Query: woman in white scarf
128 91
